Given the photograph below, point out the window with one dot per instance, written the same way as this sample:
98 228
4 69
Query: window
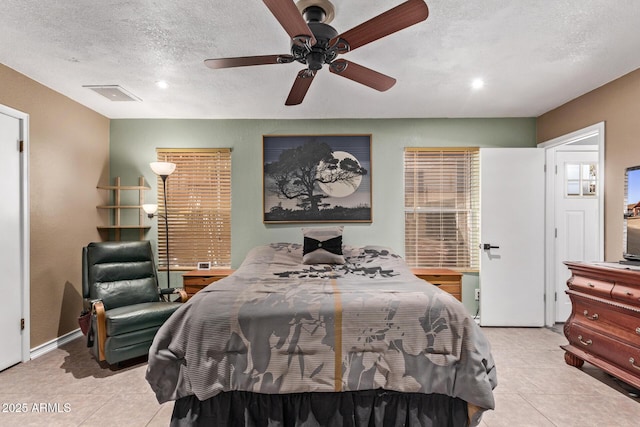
198 206
441 193
581 179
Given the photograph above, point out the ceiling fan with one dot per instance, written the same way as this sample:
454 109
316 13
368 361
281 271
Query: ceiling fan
314 42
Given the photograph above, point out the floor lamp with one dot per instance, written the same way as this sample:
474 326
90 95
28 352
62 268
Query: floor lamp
163 170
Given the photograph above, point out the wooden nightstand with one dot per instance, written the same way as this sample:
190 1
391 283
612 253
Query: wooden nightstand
447 280
195 280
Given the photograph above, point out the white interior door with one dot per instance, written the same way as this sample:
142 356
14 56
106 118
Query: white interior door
10 230
577 218
512 219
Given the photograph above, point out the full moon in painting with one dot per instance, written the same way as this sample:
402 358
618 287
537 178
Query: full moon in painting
342 188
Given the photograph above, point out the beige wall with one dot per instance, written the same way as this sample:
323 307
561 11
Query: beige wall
68 157
617 104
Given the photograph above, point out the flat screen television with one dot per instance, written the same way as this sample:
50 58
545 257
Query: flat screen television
631 253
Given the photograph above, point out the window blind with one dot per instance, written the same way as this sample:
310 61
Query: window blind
441 193
198 207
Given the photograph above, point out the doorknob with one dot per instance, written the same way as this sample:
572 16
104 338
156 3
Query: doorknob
488 246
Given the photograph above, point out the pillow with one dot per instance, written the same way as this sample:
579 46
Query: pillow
322 245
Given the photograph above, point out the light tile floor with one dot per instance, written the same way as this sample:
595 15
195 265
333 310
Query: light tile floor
536 388
66 387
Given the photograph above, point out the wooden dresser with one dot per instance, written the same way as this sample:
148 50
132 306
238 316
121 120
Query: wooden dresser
604 326
447 280
195 280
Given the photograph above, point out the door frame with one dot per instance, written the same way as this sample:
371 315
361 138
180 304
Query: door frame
23 119
598 131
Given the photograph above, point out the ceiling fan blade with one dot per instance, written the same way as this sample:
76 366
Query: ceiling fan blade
400 17
362 75
300 87
243 61
288 15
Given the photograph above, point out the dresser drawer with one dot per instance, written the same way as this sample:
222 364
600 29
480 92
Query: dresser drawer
627 294
621 354
604 326
609 319
591 286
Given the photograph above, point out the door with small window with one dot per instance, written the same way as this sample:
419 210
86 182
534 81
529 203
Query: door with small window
577 188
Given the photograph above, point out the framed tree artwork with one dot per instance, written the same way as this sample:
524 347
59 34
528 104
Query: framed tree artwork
316 178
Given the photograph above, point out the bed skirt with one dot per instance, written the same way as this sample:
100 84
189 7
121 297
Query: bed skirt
346 409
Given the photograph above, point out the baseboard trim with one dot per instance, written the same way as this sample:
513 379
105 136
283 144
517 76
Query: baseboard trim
55 343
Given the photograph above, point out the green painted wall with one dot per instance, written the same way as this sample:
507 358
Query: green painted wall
133 144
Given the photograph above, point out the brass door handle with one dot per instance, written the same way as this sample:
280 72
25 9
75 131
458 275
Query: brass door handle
633 363
592 317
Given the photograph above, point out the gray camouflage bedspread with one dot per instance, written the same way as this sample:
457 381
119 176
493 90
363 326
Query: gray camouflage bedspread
279 326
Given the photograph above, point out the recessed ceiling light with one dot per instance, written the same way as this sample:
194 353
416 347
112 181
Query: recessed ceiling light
162 84
477 84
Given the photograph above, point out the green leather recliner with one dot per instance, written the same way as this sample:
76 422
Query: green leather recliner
120 288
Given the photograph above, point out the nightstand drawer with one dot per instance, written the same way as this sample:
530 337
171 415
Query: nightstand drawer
448 280
193 288
199 281
196 280
451 288
440 282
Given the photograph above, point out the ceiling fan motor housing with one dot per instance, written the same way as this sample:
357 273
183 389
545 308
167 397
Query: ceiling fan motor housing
320 53
314 14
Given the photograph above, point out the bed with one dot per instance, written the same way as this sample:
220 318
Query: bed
281 342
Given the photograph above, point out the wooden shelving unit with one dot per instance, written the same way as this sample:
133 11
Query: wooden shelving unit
117 207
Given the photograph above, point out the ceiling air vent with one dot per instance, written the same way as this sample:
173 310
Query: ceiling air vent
113 93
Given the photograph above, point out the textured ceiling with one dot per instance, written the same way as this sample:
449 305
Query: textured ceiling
534 55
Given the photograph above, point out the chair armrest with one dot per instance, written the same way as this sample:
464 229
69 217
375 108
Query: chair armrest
101 325
174 291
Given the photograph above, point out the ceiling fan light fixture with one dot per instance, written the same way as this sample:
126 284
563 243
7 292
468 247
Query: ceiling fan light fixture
315 60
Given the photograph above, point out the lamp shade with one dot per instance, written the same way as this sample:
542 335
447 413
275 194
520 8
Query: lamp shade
162 168
150 208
